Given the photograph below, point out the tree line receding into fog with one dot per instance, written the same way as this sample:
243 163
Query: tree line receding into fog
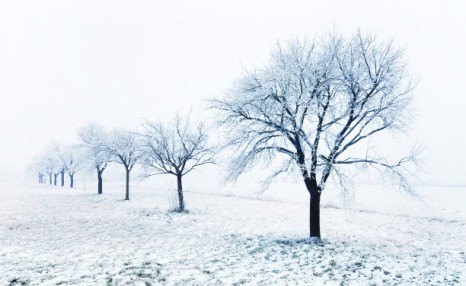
175 148
303 112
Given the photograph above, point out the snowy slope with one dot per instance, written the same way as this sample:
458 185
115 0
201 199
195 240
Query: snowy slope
58 236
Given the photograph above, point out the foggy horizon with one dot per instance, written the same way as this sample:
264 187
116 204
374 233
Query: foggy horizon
65 64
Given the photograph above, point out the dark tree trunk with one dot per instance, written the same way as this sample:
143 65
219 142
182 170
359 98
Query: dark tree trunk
40 178
62 177
180 192
127 184
55 176
314 215
99 181
314 208
50 178
71 180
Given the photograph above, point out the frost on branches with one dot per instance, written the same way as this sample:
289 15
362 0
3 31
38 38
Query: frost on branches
177 149
94 138
123 147
311 104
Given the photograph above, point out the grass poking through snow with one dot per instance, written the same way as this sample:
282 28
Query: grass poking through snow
56 237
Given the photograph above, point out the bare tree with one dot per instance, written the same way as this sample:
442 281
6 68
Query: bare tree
93 138
71 157
124 148
312 104
55 176
48 166
38 168
176 149
53 163
60 167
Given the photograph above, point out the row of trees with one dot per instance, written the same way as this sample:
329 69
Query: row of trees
57 161
307 109
175 148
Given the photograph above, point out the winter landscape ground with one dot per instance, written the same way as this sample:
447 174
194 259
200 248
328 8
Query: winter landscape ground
57 236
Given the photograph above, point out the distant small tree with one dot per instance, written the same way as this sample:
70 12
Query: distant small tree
41 178
48 166
311 105
176 149
93 140
55 176
59 166
53 163
124 148
38 168
62 173
71 157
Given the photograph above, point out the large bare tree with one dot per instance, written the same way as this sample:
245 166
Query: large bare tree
312 104
176 149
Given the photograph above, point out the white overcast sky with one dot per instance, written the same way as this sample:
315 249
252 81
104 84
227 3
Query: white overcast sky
66 63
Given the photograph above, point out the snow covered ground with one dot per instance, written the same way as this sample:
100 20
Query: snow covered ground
57 236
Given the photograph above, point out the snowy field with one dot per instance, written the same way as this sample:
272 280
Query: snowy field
57 236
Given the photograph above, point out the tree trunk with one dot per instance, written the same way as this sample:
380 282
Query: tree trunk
99 182
314 208
127 185
55 176
62 177
71 180
314 215
180 192
50 178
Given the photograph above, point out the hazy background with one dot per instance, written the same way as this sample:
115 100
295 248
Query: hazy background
66 63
